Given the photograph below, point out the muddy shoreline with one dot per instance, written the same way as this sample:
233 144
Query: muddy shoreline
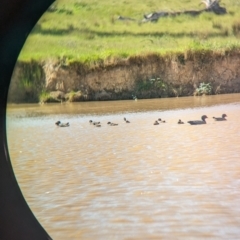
149 76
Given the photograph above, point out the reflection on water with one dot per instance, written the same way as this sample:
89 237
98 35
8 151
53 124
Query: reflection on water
131 181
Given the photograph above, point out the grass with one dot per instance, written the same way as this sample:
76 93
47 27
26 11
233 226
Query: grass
72 96
89 31
44 97
26 84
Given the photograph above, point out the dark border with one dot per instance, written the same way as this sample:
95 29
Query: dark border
17 18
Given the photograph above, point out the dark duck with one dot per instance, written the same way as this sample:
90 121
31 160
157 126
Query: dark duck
156 123
112 124
59 124
162 121
94 123
198 122
180 121
223 118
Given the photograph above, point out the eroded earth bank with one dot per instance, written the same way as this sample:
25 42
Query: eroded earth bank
150 76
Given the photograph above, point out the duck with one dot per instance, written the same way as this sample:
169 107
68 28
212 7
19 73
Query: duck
93 123
162 121
112 124
126 120
180 121
156 123
59 124
198 122
223 118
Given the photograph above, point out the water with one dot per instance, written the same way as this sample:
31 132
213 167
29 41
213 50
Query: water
131 181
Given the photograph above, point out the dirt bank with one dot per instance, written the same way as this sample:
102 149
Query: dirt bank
150 76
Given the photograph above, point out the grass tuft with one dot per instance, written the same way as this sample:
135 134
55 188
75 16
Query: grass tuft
45 97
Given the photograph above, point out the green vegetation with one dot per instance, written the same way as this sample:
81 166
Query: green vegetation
26 84
151 87
149 84
73 96
30 80
204 89
89 31
44 97
158 87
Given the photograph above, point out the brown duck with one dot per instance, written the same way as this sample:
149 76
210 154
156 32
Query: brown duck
198 122
223 118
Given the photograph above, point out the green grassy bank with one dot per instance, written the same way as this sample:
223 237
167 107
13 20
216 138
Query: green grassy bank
89 30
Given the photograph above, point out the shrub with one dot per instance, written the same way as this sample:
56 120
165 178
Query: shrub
45 97
152 85
204 89
74 96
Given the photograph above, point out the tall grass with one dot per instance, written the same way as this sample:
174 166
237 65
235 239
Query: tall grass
89 31
30 80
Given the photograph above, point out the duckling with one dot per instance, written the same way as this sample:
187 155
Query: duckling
156 123
59 124
162 121
112 124
93 123
180 121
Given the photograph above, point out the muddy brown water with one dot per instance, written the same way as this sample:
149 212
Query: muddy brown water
131 181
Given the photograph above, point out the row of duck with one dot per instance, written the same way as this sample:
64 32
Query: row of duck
157 122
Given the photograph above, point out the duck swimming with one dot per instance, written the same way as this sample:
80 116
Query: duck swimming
223 118
198 122
94 123
156 123
162 121
180 121
59 124
112 124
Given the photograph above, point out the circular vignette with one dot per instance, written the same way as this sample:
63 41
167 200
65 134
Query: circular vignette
17 18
